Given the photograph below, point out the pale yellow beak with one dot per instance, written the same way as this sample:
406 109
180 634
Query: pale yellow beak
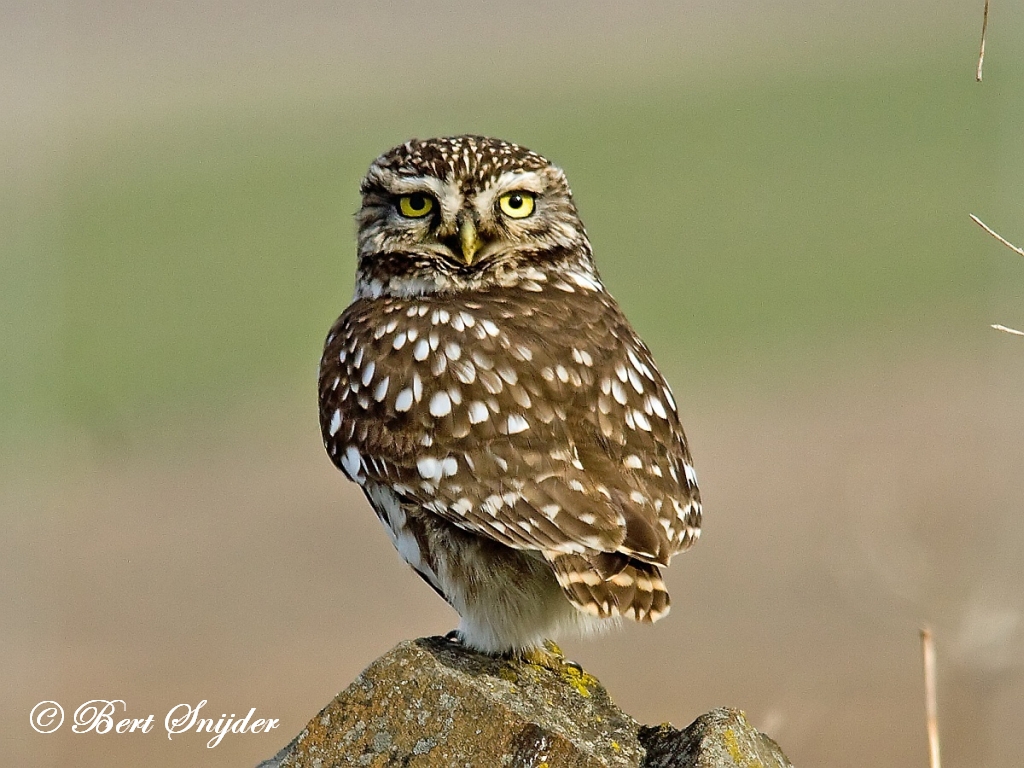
469 240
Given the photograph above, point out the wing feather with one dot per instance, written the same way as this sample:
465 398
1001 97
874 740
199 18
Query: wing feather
512 422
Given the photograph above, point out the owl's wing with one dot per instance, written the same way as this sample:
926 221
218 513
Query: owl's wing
503 418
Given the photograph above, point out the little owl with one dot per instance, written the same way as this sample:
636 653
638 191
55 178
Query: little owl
505 421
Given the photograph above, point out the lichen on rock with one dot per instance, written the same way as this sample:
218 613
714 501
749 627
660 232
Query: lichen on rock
430 702
722 738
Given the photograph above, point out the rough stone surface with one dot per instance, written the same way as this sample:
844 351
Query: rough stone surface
720 739
429 702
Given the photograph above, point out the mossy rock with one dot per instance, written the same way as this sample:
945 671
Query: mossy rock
430 702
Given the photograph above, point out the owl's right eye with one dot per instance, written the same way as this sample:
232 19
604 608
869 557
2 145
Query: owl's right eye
415 206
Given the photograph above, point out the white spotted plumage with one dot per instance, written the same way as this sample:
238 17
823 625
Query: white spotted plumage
507 424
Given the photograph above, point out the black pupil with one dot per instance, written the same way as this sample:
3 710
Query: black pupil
515 201
417 202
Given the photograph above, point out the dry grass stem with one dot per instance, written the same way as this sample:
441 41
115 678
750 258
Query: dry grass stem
996 235
1012 247
930 706
984 31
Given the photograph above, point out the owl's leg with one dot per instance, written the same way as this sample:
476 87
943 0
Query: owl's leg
550 656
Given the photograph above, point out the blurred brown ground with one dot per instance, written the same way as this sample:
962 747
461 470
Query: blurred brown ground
251 574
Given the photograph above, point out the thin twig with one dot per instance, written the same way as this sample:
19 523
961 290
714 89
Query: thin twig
931 709
996 235
984 31
1009 245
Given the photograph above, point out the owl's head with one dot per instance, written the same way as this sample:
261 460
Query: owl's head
464 213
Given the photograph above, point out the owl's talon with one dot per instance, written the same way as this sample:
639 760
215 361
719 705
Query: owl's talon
540 658
573 665
551 657
454 637
552 647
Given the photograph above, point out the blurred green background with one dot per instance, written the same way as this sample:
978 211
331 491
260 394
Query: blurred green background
777 194
734 213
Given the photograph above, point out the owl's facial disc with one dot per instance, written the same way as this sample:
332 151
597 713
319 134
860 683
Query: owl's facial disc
464 214
465 224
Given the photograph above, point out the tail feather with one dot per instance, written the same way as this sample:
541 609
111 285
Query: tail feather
611 584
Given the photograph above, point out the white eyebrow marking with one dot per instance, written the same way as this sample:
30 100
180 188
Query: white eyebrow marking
447 194
529 181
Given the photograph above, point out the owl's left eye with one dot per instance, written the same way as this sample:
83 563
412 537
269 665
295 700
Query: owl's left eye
416 205
517 205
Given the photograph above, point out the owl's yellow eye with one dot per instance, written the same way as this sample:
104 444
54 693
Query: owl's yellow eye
518 205
416 205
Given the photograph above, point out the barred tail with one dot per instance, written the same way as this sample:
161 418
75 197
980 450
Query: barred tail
606 584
